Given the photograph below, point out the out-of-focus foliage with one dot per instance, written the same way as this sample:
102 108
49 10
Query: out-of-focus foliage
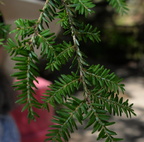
122 36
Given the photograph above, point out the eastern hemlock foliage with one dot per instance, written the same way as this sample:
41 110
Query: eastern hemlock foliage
100 87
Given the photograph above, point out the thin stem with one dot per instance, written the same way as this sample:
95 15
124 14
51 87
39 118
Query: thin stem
78 52
40 17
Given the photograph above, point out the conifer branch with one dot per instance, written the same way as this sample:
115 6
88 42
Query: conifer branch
79 55
66 120
115 105
62 89
31 33
119 5
98 84
100 117
101 76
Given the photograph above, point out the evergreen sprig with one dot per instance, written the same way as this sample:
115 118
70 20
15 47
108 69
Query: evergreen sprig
87 32
100 97
67 120
113 104
45 39
84 7
30 34
119 5
63 52
99 76
62 89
